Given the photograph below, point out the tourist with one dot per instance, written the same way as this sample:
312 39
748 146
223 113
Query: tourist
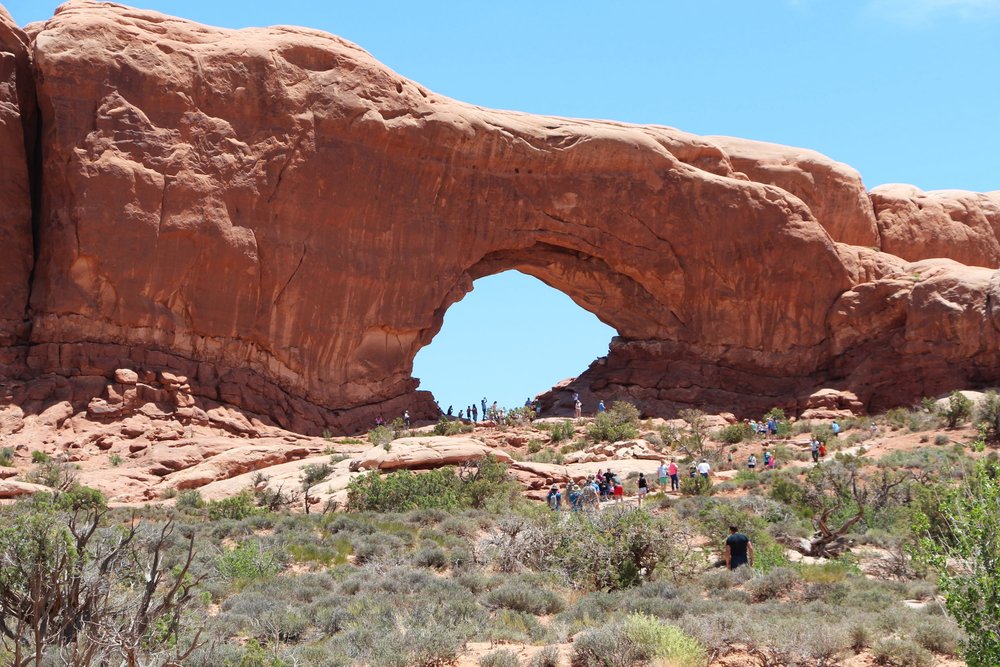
814 449
661 473
538 407
600 406
554 499
772 427
767 458
484 407
475 413
704 469
753 428
752 462
822 450
729 460
772 462
835 427
675 478
643 488
575 501
578 408
619 490
406 418
739 549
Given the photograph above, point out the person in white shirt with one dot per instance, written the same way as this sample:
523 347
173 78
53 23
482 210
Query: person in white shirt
704 469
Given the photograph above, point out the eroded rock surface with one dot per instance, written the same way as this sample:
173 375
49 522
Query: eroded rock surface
280 222
17 137
963 226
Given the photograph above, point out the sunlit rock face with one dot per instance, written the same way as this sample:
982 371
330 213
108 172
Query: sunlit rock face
283 220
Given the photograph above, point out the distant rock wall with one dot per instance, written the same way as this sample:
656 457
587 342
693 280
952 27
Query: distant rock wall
17 135
284 221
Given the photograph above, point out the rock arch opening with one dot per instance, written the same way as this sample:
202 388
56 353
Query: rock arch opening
510 338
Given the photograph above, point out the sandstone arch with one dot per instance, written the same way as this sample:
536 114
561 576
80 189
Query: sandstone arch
284 220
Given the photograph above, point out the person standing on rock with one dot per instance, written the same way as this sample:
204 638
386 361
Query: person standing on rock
704 469
814 449
600 407
484 407
406 418
675 477
661 473
835 427
475 413
578 408
739 549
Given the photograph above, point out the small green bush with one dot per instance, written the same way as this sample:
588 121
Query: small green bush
39 456
620 422
637 640
190 499
6 456
959 409
697 486
237 507
247 562
115 460
733 433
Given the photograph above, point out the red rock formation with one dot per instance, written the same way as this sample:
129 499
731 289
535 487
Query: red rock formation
17 136
963 226
283 221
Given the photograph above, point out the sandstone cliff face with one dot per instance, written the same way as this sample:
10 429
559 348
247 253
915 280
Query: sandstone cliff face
284 221
963 226
16 142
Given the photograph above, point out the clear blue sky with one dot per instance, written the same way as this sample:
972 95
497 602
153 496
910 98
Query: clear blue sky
903 90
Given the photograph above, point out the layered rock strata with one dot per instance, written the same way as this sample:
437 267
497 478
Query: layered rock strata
284 221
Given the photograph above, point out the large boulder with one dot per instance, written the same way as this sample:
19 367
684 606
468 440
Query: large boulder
423 453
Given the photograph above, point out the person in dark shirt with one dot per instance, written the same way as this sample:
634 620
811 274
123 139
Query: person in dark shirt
739 549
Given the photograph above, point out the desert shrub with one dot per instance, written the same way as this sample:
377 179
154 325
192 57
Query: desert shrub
988 415
697 486
958 410
620 422
6 456
248 561
559 431
237 507
53 474
38 456
937 634
771 585
189 499
502 658
733 433
526 597
514 626
941 439
637 640
899 652
381 436
431 556
546 657
446 426
441 488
